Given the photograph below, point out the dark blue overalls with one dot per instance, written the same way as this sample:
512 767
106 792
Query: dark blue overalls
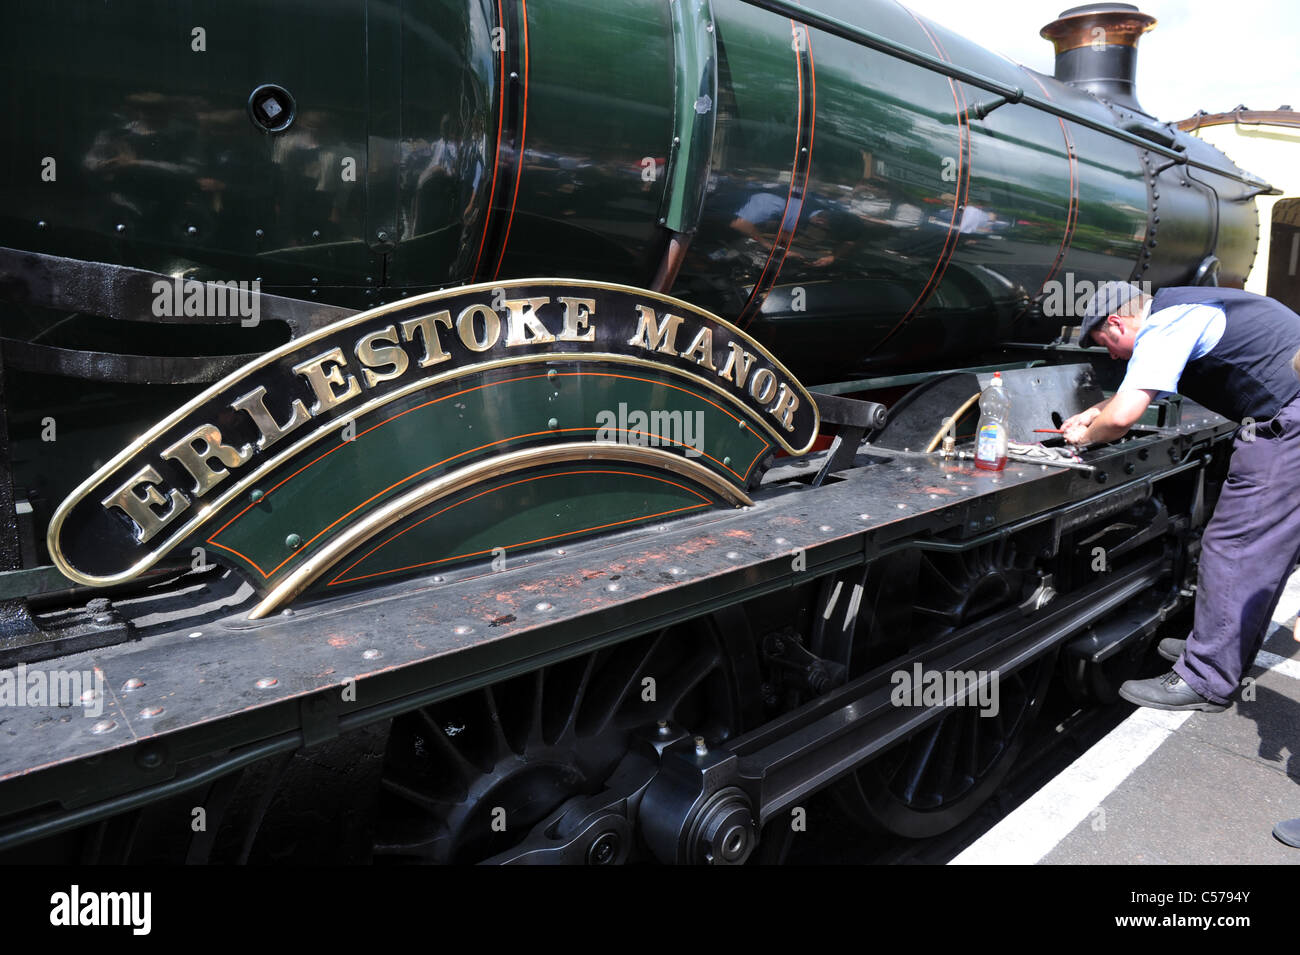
1252 542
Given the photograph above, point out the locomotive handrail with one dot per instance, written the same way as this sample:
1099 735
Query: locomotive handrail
881 44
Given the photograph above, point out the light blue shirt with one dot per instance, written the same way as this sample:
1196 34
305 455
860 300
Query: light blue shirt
1167 341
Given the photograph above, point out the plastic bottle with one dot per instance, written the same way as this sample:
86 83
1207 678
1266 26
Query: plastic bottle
995 416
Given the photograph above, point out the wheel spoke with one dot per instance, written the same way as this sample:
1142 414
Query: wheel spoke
630 684
940 578
501 744
690 675
950 733
456 761
971 747
919 761
534 735
435 805
579 697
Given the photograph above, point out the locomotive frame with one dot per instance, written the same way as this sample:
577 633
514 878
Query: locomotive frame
781 625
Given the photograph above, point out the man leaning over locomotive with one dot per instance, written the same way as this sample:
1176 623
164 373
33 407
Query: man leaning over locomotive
1230 351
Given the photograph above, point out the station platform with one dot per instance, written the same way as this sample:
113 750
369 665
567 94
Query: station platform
1186 788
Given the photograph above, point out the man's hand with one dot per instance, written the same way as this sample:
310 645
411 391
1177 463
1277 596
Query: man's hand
1074 428
1109 420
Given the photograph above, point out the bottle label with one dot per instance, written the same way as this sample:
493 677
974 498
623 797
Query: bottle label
988 444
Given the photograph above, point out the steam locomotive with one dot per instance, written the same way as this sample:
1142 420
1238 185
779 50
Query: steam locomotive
510 426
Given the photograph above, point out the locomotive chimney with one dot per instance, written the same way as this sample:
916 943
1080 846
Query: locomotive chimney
1096 49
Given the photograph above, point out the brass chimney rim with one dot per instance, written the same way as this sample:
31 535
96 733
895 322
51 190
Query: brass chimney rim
1123 24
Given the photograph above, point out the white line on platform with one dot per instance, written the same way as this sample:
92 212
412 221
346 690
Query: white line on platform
1283 620
1289 604
1047 817
1277 664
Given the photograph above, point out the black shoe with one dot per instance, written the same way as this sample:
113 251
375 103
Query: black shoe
1167 692
1171 648
1288 831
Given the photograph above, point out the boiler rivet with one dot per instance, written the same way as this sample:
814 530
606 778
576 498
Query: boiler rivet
293 540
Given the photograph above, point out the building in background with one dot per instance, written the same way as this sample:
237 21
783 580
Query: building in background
1265 141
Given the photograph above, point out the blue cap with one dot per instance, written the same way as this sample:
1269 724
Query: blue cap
1109 298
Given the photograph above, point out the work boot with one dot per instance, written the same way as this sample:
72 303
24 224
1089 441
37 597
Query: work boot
1167 692
1288 831
1171 648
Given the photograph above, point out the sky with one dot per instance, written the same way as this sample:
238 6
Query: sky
1200 55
